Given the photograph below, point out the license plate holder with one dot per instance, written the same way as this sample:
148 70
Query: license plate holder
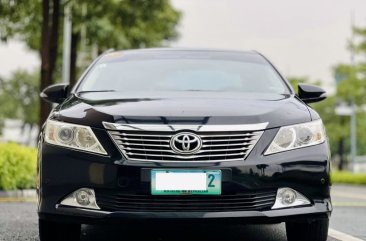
185 182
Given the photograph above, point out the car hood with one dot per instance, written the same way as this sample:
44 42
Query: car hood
209 108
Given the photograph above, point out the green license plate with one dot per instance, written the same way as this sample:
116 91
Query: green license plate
185 182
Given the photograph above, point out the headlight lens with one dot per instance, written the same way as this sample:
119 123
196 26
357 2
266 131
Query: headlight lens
297 136
65 134
73 136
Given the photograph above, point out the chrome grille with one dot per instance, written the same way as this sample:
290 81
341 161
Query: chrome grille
147 145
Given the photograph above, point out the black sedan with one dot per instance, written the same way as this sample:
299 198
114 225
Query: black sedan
183 135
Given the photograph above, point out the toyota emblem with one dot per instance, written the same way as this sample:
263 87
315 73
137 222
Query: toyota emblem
186 143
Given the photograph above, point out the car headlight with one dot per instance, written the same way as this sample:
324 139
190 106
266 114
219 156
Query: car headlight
297 136
72 136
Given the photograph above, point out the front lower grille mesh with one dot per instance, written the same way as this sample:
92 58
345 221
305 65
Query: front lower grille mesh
249 201
155 146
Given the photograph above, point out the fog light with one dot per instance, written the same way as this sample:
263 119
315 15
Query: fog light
287 197
84 197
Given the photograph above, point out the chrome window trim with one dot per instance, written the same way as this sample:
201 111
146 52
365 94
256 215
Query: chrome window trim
196 128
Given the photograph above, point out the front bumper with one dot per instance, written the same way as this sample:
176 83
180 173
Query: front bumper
62 171
79 215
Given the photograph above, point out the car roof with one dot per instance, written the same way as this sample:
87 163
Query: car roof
163 53
185 50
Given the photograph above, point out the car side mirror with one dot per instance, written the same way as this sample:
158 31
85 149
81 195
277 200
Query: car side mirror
55 93
311 93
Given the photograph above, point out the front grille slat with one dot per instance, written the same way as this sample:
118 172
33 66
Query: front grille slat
202 203
218 145
250 201
139 144
194 208
228 140
233 135
171 151
231 144
187 157
139 135
223 199
250 195
130 140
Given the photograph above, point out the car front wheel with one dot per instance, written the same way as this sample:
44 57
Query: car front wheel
52 231
316 230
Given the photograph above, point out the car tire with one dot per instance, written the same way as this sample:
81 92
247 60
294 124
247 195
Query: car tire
316 230
53 231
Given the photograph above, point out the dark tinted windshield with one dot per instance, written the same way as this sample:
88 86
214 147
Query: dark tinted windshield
183 73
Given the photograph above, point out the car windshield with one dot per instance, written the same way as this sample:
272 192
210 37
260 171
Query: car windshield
183 74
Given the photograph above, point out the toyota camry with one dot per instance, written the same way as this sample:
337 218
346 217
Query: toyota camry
185 135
